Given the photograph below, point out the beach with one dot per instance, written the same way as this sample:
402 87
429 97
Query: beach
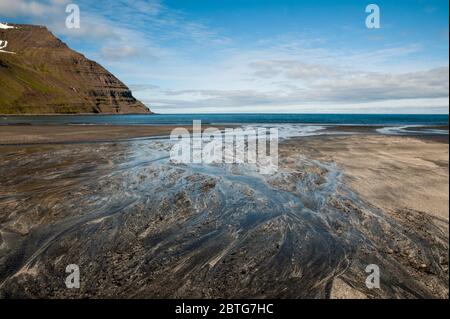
406 177
108 199
51 134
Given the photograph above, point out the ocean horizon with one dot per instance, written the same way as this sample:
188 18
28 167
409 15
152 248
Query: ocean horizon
232 118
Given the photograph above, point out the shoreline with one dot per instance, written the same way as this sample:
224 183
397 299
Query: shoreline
62 134
36 134
75 114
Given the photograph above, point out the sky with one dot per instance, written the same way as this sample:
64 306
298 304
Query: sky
271 56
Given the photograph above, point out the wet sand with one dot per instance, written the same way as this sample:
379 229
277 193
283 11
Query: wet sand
140 226
392 172
54 134
406 177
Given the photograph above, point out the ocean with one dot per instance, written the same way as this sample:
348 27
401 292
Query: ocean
186 119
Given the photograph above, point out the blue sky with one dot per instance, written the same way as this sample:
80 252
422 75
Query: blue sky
189 56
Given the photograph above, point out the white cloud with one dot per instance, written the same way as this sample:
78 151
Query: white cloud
119 52
347 91
13 8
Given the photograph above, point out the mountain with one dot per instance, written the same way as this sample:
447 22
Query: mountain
39 74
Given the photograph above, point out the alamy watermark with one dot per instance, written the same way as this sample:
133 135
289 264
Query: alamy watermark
374 18
373 279
73 279
257 146
4 43
73 19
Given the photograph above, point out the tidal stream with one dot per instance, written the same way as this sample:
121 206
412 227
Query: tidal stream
140 226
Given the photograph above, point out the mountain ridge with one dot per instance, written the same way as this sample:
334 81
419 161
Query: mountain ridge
40 74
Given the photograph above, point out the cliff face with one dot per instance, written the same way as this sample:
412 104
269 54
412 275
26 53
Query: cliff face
43 75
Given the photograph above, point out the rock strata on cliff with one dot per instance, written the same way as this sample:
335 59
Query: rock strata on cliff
39 74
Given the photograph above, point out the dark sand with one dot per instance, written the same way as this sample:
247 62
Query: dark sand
141 227
392 171
407 178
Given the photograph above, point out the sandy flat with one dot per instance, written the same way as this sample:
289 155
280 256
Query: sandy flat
391 172
398 174
312 235
41 134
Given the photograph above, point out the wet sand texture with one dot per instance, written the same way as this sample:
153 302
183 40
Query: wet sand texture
54 134
141 227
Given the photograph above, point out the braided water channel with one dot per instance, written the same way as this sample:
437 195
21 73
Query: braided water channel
140 226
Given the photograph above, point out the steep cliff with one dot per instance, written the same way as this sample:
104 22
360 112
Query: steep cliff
41 74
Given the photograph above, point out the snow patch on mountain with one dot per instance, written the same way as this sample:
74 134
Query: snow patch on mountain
5 26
